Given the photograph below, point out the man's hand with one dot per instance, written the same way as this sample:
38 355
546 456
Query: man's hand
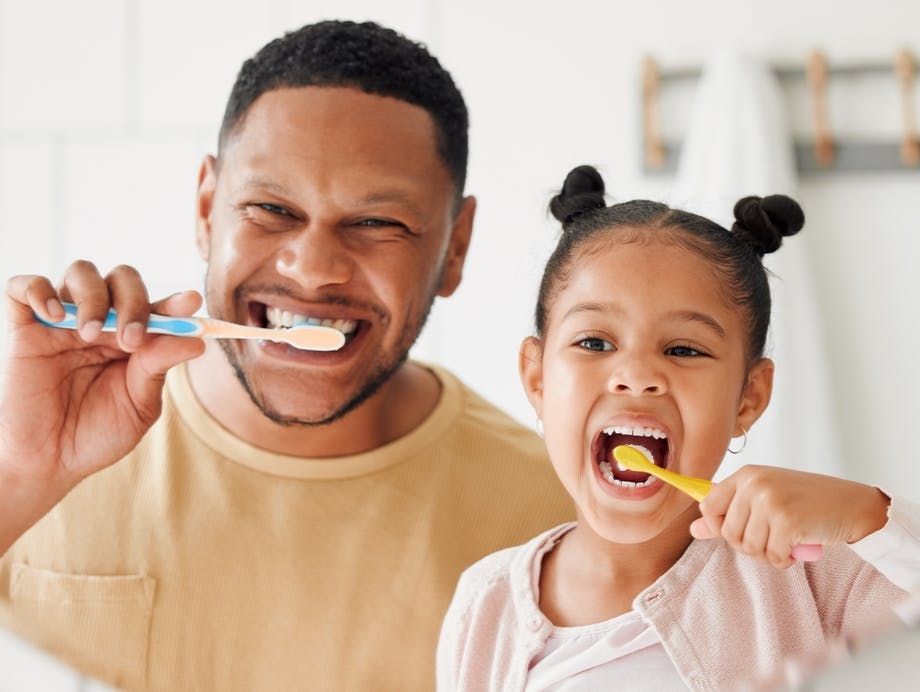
73 402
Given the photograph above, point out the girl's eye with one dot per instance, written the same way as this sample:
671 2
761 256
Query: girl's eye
595 343
683 351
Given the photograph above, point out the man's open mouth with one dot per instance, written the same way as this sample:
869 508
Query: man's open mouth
278 318
652 441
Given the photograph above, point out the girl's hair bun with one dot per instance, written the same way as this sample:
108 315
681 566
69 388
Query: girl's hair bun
582 191
765 221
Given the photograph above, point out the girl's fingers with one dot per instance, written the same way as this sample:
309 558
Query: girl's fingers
735 523
755 536
779 550
714 508
700 529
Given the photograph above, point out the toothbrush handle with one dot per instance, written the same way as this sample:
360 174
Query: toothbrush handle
807 552
157 324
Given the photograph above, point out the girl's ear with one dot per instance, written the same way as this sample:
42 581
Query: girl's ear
756 395
530 366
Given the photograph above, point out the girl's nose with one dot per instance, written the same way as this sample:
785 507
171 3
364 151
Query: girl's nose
636 375
316 256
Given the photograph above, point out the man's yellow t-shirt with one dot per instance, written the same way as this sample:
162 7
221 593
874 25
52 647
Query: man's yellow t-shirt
200 562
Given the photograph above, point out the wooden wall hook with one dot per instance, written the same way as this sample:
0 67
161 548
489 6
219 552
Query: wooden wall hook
654 146
910 146
817 82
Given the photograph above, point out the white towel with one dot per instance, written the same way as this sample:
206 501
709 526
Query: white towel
738 143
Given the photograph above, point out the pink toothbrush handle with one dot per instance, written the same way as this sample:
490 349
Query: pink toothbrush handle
807 552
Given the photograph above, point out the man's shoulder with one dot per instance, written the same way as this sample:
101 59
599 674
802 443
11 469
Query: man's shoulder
487 419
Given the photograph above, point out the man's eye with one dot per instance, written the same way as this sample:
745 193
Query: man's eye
378 223
272 208
594 343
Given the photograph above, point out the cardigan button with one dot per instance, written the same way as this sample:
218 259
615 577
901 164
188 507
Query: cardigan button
534 623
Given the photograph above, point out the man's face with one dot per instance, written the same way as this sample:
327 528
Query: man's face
331 204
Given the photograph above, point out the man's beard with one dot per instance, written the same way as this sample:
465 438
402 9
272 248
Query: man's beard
380 375
376 380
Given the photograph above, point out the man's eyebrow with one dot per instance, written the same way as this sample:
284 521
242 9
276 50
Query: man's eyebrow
257 181
393 197
675 315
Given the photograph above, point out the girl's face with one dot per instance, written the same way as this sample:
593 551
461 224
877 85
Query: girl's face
641 346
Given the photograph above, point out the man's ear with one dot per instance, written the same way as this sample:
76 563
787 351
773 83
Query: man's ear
530 366
461 231
756 395
204 204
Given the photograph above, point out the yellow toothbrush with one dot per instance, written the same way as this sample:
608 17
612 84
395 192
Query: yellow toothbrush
635 459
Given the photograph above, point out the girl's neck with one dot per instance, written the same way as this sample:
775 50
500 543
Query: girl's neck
586 579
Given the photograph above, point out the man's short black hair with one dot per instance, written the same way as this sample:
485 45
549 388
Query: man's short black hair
366 56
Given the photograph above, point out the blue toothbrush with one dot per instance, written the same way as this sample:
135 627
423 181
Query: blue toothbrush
309 337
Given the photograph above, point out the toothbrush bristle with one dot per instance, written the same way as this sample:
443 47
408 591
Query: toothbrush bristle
313 337
632 457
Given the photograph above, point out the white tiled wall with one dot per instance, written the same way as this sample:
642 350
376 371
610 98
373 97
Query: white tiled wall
107 108
63 65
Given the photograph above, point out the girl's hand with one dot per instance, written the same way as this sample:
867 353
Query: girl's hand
763 511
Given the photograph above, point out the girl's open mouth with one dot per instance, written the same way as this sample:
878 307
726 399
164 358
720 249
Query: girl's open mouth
652 440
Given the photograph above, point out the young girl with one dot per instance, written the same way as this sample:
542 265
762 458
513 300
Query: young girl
651 325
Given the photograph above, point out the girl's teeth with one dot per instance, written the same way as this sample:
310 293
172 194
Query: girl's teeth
636 431
607 473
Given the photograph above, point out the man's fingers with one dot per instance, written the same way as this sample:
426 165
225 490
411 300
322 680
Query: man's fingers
130 300
182 304
27 294
147 368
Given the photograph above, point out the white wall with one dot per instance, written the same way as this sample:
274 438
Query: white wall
107 107
550 88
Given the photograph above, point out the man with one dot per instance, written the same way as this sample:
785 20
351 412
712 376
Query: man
276 519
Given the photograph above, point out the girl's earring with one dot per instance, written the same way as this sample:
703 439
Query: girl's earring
743 444
539 426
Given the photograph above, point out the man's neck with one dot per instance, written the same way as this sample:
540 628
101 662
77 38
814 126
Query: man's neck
397 408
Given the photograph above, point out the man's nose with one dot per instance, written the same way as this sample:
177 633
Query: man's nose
318 255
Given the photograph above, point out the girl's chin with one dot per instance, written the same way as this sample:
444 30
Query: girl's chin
627 528
620 531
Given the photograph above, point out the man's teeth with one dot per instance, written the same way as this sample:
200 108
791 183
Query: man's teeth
637 431
285 319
